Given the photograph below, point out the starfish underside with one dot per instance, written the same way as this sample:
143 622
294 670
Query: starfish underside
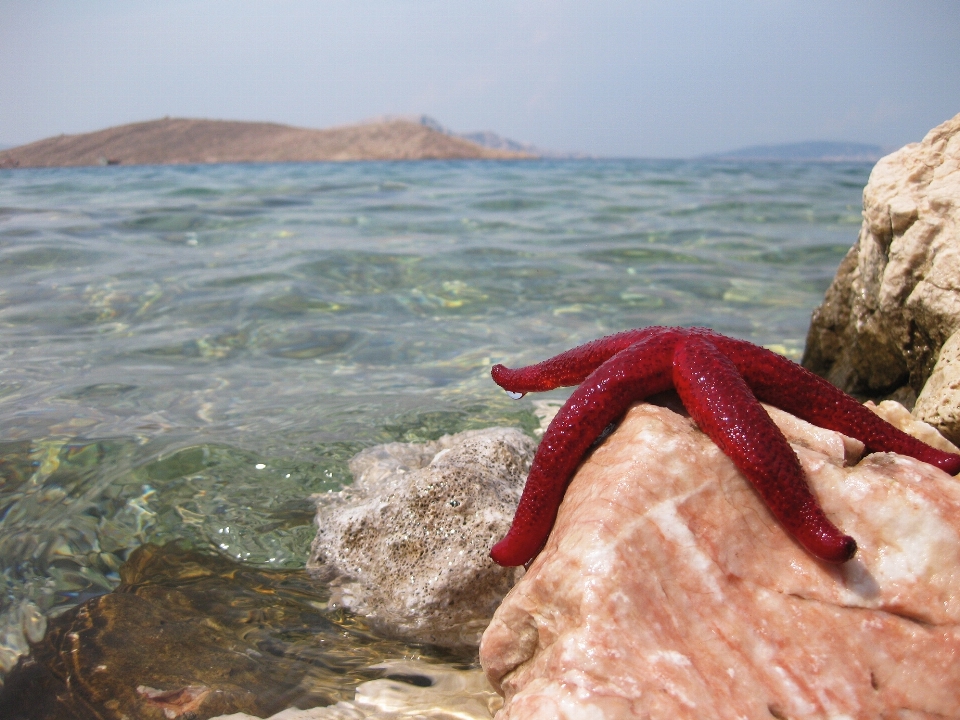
720 381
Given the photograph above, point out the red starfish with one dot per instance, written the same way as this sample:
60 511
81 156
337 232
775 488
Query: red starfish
720 381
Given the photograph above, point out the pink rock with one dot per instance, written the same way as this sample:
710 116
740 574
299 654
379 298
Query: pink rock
667 590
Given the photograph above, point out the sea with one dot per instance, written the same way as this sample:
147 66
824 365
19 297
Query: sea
195 352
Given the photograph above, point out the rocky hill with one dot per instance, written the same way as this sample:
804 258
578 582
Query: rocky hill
175 141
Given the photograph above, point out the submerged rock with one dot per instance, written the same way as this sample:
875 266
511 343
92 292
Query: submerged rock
668 591
407 690
407 545
887 320
189 635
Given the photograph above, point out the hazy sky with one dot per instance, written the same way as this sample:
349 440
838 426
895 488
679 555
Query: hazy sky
654 78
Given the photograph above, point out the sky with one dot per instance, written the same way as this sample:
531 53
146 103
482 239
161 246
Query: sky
632 78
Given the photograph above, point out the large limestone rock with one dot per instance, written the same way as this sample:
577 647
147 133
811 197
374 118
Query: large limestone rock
895 301
407 545
668 591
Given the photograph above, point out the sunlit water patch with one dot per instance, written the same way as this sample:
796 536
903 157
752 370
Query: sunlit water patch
191 353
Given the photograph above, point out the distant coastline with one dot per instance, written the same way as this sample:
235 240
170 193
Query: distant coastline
812 151
180 141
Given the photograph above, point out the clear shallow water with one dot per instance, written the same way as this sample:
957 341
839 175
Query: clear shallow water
191 352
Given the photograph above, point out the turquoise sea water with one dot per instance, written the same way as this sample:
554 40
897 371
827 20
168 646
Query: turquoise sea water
191 352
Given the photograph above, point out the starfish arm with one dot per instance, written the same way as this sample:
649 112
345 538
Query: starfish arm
791 387
640 370
571 367
722 405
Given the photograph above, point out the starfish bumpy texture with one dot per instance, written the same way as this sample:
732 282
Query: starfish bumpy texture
720 381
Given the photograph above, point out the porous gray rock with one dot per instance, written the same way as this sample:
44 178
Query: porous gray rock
895 300
407 545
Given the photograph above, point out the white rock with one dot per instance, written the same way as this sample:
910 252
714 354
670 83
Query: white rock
939 401
895 300
898 416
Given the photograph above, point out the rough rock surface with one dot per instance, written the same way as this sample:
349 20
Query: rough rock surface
895 301
939 401
407 545
667 590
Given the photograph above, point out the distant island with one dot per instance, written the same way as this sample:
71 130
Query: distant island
178 141
181 141
814 151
